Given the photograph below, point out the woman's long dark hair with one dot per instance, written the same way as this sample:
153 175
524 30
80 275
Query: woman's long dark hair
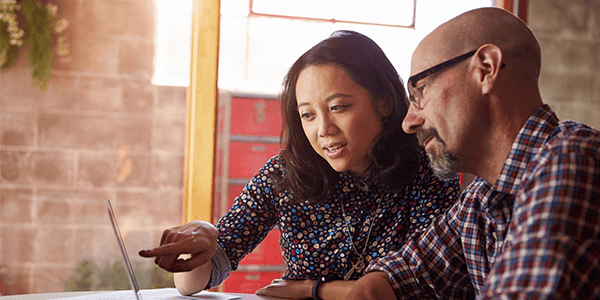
394 154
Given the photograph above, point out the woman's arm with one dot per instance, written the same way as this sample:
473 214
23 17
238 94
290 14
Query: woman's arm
302 289
198 239
337 289
187 251
188 283
374 285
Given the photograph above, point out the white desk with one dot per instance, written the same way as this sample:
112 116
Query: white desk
45 296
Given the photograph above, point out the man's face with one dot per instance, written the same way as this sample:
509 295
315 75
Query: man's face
440 115
442 161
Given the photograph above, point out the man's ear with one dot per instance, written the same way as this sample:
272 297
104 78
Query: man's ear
488 63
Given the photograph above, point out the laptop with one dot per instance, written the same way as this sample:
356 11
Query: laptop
132 281
167 294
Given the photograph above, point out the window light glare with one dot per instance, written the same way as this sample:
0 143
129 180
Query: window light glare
173 43
235 8
175 5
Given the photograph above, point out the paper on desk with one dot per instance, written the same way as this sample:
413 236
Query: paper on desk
157 294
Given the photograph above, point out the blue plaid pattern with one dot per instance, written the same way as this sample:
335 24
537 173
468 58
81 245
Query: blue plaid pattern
534 234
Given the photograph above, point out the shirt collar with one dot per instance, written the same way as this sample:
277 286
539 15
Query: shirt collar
372 181
538 129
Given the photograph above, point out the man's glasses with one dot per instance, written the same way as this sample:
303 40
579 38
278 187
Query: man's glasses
416 94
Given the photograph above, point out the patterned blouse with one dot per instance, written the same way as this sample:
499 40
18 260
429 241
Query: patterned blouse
315 239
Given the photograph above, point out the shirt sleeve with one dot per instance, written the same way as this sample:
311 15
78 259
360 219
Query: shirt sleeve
431 263
248 221
552 249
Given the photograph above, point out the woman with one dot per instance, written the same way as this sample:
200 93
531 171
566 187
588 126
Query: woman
348 186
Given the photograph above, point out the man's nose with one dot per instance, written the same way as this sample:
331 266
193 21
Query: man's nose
412 121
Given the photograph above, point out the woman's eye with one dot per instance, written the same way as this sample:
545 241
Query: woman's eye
305 116
338 107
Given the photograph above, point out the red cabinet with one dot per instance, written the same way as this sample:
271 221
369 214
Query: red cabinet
255 116
245 158
247 136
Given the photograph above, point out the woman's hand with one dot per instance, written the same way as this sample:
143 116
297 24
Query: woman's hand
288 289
197 239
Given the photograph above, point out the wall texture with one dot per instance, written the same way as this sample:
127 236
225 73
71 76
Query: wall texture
569 33
101 130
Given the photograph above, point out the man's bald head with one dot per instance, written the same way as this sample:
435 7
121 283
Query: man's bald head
475 28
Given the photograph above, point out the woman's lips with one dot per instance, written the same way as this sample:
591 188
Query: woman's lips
334 151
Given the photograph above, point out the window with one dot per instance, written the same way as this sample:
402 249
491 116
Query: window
377 12
260 39
172 42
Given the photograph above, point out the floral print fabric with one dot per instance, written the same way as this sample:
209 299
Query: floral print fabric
316 240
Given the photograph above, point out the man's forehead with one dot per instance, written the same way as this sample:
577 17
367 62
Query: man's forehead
422 59
428 53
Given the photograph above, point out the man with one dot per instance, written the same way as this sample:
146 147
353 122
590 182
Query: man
529 226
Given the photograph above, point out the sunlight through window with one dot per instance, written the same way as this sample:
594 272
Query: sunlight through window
261 39
173 42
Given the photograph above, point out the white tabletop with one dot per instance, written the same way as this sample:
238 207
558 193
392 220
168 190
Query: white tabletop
95 294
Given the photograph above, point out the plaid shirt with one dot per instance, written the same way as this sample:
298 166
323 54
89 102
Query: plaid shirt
535 234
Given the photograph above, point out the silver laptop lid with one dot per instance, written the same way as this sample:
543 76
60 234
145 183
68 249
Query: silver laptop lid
132 281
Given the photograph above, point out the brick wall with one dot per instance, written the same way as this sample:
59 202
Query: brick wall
569 33
101 130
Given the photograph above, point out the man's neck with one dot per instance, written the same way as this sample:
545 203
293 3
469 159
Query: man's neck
506 123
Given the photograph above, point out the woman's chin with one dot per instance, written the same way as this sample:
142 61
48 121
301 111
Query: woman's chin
338 167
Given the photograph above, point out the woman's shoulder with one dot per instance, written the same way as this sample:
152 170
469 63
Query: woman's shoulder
424 171
274 163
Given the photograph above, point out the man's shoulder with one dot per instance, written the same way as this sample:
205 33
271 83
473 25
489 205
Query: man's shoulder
573 148
574 137
477 190
476 186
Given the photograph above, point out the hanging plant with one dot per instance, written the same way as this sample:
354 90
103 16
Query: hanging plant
29 23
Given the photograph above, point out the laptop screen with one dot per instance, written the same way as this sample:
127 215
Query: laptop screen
128 267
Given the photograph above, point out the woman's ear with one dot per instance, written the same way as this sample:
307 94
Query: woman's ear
385 106
488 64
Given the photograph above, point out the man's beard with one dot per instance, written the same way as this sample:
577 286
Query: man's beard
443 162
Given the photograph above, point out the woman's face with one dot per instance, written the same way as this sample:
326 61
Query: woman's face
337 117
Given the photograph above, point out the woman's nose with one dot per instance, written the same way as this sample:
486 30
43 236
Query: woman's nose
327 126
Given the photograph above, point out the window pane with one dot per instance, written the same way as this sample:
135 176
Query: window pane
398 12
239 8
173 43
385 12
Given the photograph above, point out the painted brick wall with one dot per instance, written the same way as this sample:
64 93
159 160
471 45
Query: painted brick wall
569 33
101 130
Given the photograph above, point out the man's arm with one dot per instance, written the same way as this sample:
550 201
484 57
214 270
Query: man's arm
432 264
375 286
552 247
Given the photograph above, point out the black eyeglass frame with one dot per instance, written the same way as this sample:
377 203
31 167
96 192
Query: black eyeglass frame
412 80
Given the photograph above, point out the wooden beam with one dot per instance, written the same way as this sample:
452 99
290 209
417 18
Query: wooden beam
202 111
517 7
506 4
